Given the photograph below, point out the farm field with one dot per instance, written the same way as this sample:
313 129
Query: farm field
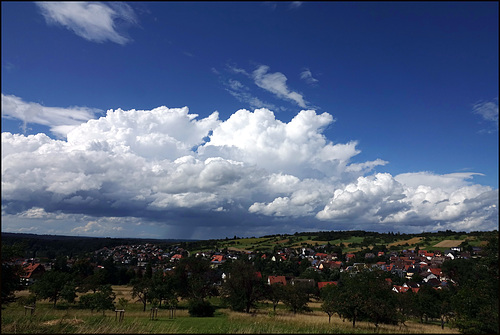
448 243
434 243
69 319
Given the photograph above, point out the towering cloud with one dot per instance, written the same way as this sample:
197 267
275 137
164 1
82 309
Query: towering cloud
168 165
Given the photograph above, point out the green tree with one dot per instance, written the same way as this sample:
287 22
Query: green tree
141 288
68 292
104 298
10 272
194 278
275 294
296 297
475 304
101 300
94 281
149 271
163 289
51 285
328 295
242 289
366 296
426 303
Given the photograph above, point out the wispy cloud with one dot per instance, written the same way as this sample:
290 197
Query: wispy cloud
276 84
94 21
60 120
295 5
488 111
242 94
307 76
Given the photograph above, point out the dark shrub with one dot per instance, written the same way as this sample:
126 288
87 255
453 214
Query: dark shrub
200 308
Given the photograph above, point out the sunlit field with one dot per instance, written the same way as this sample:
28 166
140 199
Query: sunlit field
69 319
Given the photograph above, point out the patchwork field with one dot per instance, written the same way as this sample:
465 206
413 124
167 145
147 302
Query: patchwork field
448 243
411 241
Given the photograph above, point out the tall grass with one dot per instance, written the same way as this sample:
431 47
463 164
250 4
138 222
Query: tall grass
52 321
48 320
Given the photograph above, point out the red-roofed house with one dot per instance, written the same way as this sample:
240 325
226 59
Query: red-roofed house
176 257
320 255
400 289
218 259
322 284
276 279
436 271
31 273
348 257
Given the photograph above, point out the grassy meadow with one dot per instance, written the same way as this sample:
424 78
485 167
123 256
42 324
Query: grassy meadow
69 319
432 243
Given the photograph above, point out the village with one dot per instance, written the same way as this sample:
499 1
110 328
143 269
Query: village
412 268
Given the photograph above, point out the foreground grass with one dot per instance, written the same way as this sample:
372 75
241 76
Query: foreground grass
48 320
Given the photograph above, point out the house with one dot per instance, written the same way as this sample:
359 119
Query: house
369 255
330 265
176 257
322 284
320 255
218 259
349 257
276 280
450 255
400 289
434 282
31 273
428 276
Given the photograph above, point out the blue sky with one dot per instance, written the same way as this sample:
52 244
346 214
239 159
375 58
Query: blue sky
300 116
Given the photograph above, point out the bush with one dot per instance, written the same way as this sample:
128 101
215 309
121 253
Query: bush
200 308
27 300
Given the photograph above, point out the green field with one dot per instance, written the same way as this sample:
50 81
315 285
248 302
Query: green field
70 319
264 244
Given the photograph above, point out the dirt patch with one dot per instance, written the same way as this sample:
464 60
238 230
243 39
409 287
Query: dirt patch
68 321
448 243
282 241
411 241
237 249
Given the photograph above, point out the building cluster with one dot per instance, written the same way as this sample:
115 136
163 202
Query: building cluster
414 267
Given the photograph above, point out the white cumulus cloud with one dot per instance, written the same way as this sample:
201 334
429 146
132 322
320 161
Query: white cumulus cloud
169 167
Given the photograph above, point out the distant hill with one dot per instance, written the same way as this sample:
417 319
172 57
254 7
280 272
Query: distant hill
51 246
